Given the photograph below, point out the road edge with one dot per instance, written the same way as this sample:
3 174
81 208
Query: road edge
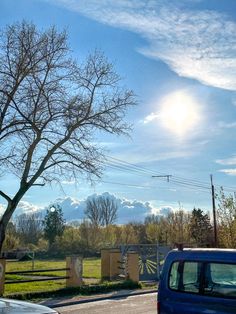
96 299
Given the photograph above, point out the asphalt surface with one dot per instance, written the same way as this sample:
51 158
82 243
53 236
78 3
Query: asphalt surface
131 304
66 301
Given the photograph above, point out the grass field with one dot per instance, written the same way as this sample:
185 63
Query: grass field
91 274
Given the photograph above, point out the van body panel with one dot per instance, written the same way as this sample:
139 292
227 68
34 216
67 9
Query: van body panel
175 299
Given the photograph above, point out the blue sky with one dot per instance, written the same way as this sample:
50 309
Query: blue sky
179 57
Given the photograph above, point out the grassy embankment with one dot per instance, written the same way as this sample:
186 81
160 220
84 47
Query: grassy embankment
54 289
91 275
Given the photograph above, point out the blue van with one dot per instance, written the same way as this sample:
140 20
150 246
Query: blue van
195 281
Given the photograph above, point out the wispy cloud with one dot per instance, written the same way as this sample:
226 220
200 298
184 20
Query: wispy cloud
67 182
152 116
199 44
227 162
227 125
230 172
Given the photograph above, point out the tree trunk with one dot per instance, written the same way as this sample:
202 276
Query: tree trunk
11 206
2 235
4 222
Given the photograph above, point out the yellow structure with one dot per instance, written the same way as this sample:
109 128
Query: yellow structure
75 271
2 275
105 264
115 263
133 266
111 265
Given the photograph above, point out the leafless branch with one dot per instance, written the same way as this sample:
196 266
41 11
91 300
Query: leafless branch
51 107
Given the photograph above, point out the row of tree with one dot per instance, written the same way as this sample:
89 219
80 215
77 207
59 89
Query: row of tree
52 234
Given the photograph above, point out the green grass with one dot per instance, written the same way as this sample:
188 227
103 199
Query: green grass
33 287
84 290
92 268
91 274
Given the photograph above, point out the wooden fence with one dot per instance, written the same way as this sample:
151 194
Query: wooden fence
74 271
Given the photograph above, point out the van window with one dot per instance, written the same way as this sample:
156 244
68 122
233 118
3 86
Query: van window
191 277
185 276
220 280
174 276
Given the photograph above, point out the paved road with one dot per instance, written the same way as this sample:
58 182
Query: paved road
128 305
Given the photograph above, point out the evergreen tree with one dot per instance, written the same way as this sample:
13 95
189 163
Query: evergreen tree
201 229
54 223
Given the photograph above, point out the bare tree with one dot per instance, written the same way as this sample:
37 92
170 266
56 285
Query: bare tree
101 210
226 215
93 211
109 210
50 110
29 227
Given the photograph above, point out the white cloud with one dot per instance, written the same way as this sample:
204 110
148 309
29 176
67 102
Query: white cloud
152 116
26 207
227 162
163 210
23 207
73 209
2 209
199 44
230 172
128 210
132 210
65 182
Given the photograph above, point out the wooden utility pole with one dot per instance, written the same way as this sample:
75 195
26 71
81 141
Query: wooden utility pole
214 211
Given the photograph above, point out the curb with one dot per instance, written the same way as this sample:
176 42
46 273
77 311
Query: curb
125 295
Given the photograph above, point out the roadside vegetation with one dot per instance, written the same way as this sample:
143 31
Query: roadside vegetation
92 234
91 275
83 290
99 230
52 289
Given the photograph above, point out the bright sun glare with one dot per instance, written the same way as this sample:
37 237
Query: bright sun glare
179 112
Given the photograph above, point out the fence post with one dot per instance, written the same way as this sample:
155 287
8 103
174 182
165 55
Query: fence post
115 259
133 266
2 274
75 271
105 264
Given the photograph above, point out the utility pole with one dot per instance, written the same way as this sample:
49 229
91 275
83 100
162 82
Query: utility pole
214 211
164 176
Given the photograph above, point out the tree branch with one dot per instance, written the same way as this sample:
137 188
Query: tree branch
5 196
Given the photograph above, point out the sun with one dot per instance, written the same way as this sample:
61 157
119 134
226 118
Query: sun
179 112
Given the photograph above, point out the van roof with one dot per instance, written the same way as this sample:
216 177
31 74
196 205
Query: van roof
204 254
221 250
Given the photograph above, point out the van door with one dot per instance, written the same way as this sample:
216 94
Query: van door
182 295
189 290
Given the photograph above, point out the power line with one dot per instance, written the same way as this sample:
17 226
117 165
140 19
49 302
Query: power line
122 165
131 185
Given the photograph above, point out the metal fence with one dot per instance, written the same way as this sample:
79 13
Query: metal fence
33 272
151 258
